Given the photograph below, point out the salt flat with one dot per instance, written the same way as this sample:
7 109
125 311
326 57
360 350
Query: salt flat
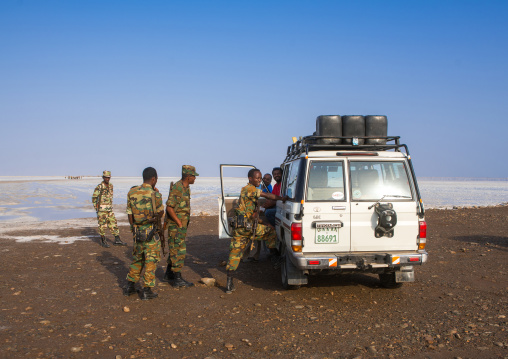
37 198
26 199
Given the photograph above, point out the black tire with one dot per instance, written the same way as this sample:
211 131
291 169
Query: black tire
284 273
388 281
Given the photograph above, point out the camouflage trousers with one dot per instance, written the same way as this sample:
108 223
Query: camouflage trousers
241 238
176 244
145 255
107 219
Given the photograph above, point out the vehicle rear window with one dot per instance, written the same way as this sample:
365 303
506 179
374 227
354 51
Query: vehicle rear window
373 180
326 181
291 179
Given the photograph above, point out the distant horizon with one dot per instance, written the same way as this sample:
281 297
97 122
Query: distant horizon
420 178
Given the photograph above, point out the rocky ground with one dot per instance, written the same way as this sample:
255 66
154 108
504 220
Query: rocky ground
65 301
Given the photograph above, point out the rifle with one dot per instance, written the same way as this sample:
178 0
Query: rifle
98 203
166 218
157 226
266 187
254 225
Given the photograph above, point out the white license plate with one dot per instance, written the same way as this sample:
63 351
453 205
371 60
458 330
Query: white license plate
327 235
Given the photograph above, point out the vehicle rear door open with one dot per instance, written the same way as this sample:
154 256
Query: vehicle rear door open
232 179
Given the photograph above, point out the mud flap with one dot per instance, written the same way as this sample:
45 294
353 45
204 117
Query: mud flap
295 276
406 274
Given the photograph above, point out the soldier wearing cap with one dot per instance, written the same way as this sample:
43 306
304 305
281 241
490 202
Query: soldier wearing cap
102 200
242 236
178 214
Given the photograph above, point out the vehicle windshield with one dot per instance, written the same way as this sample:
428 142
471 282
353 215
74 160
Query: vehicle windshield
373 180
326 181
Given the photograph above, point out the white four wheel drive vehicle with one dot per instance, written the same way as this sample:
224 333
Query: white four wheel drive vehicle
354 204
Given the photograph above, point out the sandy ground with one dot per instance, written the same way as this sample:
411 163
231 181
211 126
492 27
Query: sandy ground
61 297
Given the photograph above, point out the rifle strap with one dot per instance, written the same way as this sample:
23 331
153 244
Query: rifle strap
154 207
143 223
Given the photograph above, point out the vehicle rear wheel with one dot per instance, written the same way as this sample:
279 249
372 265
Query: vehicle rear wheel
284 273
388 280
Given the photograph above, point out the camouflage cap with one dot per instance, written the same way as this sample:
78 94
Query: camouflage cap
189 170
106 174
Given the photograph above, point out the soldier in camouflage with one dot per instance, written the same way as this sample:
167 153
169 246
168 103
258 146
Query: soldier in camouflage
178 212
102 200
242 236
144 205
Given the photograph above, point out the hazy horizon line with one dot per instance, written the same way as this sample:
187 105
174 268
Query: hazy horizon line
425 178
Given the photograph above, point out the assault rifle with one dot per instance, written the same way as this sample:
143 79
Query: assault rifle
98 203
166 217
254 225
157 226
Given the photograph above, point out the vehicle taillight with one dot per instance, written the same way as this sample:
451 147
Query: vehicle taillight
422 235
296 237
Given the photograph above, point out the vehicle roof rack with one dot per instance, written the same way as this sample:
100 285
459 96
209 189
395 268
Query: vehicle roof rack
317 143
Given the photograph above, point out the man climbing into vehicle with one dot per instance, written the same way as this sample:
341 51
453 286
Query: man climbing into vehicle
248 229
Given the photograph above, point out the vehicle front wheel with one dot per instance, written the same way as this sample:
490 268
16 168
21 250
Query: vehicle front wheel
388 280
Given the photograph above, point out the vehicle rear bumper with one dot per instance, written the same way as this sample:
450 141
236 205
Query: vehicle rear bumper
357 261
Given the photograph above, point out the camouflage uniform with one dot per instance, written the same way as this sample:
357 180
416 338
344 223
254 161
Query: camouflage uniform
179 200
241 236
105 215
145 254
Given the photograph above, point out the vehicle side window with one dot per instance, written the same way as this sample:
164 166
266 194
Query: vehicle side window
285 169
291 179
326 181
373 180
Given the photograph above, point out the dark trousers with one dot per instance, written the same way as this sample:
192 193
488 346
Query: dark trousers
270 215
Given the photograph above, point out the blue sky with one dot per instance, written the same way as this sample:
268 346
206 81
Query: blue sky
121 85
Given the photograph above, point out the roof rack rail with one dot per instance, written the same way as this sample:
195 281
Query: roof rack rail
315 143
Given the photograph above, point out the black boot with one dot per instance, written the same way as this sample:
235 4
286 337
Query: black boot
118 242
103 242
169 275
230 287
180 282
275 258
130 289
148 294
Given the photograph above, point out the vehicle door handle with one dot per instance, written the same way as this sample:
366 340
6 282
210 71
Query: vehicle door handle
340 208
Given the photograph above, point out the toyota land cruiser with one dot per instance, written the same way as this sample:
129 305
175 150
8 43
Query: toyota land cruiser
354 204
